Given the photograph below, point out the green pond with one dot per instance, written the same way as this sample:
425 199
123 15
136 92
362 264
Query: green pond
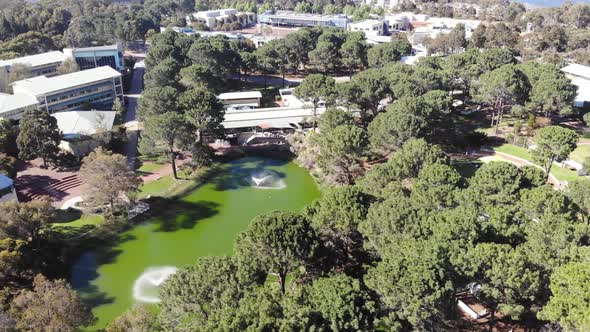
204 222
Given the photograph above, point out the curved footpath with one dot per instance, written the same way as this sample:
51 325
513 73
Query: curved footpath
521 162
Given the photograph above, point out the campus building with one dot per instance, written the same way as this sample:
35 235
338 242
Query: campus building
580 76
12 106
369 27
216 18
98 56
240 100
293 19
40 64
93 88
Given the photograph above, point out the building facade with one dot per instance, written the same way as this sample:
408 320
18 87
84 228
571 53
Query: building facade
244 99
40 64
369 27
293 19
99 56
580 76
216 18
95 88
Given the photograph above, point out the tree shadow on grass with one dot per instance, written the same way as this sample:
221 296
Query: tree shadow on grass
174 215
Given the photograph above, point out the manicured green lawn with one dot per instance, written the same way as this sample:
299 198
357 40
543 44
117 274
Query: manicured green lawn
562 174
150 167
580 153
514 151
87 219
156 187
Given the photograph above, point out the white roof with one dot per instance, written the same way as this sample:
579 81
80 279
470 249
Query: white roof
15 101
272 118
84 122
583 85
42 85
577 70
5 181
37 59
240 95
97 48
366 23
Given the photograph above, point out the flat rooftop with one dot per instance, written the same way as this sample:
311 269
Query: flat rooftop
306 16
13 102
37 59
42 85
240 95
366 23
577 70
97 48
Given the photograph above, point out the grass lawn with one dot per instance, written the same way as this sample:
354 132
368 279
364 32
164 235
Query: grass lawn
580 153
150 168
166 186
562 174
514 151
87 219
157 187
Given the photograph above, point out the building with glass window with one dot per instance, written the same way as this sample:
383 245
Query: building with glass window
93 57
94 88
293 19
41 64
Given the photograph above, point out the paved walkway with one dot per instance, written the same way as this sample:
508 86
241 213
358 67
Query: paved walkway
131 97
33 182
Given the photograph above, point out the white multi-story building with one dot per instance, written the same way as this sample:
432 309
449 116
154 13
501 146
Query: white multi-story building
580 76
216 18
40 64
369 27
95 88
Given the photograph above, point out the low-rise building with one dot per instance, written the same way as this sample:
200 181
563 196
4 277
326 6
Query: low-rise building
580 76
7 191
12 106
369 27
93 88
216 18
237 100
293 19
40 64
81 128
98 56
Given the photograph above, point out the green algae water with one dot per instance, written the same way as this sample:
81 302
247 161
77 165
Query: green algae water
205 222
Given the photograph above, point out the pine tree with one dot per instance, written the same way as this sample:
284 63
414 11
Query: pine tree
39 136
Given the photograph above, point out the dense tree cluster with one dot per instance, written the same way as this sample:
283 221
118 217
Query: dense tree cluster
393 251
420 104
29 28
28 300
179 106
326 50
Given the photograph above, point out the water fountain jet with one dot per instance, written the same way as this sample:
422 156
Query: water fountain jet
145 288
266 179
